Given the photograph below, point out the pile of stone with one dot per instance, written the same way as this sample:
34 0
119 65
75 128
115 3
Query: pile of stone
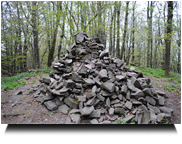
88 84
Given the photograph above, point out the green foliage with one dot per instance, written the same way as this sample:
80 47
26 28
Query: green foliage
121 121
172 87
47 70
15 81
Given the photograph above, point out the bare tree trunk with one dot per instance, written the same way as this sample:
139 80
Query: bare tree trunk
125 29
133 32
35 35
118 29
168 38
51 52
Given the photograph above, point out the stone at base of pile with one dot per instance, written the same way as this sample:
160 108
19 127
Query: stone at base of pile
88 84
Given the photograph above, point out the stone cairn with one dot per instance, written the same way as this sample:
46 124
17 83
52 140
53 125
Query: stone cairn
99 89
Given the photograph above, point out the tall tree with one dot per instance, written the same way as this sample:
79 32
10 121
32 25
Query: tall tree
51 52
118 30
35 34
133 32
168 38
125 29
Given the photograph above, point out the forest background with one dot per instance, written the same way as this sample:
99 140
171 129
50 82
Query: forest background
146 34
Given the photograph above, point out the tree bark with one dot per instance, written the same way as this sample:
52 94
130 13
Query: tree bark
118 29
168 38
133 32
35 35
125 29
51 52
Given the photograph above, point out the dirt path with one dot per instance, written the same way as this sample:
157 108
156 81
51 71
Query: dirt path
174 100
23 109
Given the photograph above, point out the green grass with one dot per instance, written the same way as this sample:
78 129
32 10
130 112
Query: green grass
171 87
15 81
158 73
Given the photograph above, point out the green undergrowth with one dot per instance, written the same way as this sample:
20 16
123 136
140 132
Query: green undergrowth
158 73
15 81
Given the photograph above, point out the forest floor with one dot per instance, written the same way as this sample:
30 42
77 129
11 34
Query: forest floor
23 109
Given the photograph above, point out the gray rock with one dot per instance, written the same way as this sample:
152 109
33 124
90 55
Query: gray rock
94 121
89 81
105 93
69 83
117 90
160 117
128 105
105 122
95 113
108 86
119 110
114 97
149 91
68 120
51 105
138 117
100 97
112 118
155 109
103 53
120 97
64 89
76 91
119 63
81 98
130 74
90 95
80 105
101 119
42 98
120 77
124 90
73 111
18 92
118 105
97 101
139 93
75 118
103 74
71 102
108 102
90 102
161 100
59 86
146 117
46 80
128 118
111 111
142 108
97 80
131 86
166 110
87 110
76 77
134 101
78 86
153 116
151 100
128 95
161 93
63 109
115 101
94 88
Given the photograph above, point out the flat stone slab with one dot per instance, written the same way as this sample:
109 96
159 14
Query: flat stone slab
87 110
95 113
128 105
110 87
112 118
94 121
103 73
75 118
51 105
71 102
111 111
128 117
73 111
150 100
63 109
